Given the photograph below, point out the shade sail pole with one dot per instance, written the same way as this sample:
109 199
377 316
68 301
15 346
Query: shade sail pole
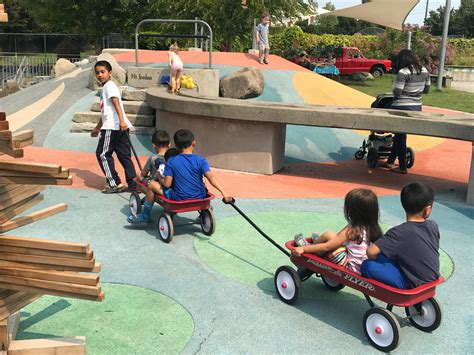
444 40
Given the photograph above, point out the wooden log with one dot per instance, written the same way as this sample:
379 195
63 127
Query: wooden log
6 311
35 180
51 285
32 217
48 260
64 174
17 195
23 135
47 291
51 346
14 210
47 244
48 253
8 330
31 167
52 275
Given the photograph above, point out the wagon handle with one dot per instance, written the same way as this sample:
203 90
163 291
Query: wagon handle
232 203
134 151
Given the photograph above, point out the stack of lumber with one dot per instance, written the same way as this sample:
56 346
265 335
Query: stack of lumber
3 14
21 183
31 267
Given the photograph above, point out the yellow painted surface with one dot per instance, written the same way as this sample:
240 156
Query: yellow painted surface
318 90
29 113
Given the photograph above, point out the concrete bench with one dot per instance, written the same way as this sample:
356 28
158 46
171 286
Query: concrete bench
257 129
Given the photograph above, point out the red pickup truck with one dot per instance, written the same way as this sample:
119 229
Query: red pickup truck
353 61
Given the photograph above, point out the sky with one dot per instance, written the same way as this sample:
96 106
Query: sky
416 15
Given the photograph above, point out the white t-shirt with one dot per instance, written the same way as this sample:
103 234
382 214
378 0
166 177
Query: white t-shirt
110 118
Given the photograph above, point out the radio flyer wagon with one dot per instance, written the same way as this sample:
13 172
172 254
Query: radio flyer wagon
171 208
380 325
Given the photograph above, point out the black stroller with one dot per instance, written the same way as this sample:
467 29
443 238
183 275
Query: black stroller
379 144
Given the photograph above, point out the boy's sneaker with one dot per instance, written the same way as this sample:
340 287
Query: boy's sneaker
140 219
300 240
265 61
260 61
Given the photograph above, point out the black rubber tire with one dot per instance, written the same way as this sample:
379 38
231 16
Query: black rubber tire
208 222
287 284
332 284
359 155
377 71
389 336
135 204
373 158
165 228
430 305
410 157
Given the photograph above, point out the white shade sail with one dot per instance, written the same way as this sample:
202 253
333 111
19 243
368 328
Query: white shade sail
387 13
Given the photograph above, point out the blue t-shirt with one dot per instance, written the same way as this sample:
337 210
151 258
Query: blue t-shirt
187 171
263 33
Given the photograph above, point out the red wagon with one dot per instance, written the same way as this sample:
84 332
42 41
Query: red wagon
380 325
171 208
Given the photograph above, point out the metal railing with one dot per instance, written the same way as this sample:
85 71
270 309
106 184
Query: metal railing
203 23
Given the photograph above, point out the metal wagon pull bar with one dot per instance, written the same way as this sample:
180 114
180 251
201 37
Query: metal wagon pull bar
232 203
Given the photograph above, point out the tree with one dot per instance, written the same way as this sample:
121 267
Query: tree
461 21
327 24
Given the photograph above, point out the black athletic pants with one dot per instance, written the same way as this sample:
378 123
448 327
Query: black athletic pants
112 141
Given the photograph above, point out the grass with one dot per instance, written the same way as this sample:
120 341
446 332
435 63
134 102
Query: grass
447 98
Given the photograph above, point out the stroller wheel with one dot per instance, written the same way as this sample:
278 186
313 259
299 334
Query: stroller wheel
410 157
373 157
360 154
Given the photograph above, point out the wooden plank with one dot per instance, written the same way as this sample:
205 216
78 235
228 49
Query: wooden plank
14 210
47 244
2 9
15 153
39 168
52 275
17 195
46 291
12 297
48 260
6 311
23 135
3 263
49 253
21 143
64 174
35 180
32 217
8 330
51 285
4 126
6 135
51 346
7 188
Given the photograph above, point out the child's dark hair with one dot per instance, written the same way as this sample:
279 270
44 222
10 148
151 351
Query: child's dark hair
183 138
361 209
407 59
171 153
103 63
161 139
415 197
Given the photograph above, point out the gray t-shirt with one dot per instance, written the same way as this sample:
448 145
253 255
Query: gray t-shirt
263 33
152 165
415 247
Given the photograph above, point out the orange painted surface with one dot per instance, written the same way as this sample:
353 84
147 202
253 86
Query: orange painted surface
434 166
218 58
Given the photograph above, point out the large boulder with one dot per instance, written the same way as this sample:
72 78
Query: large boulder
244 84
61 67
119 75
361 76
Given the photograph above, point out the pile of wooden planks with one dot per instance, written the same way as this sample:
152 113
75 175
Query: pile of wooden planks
21 183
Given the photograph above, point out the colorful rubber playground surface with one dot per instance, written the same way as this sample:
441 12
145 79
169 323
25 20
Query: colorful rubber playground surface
215 294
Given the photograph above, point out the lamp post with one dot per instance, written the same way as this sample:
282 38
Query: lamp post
444 40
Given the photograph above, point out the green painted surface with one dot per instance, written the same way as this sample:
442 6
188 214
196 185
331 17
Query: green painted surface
239 252
131 320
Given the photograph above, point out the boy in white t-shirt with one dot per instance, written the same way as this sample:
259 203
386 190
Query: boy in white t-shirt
113 129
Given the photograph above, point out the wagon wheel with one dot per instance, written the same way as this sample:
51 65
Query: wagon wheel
332 284
135 204
208 222
165 228
373 157
287 284
360 154
410 157
381 329
430 317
